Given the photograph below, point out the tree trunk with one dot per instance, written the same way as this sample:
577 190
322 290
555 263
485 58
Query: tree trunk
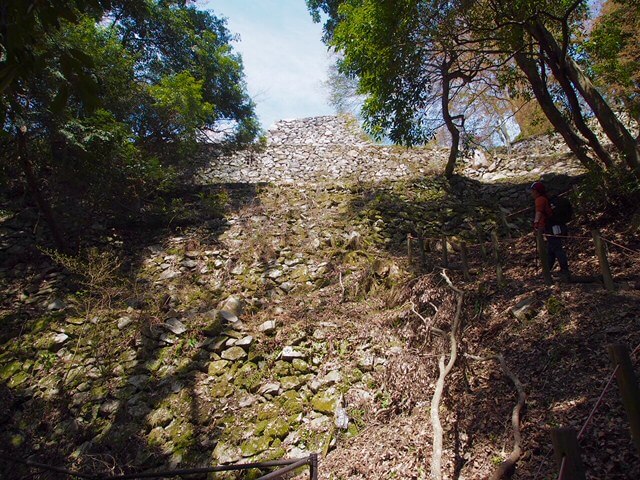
612 127
448 120
32 182
576 112
573 140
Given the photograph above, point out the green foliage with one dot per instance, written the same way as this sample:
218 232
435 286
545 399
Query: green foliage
180 104
614 190
613 53
114 93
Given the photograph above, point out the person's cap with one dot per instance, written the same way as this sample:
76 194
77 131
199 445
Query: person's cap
538 187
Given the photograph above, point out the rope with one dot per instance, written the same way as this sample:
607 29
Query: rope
604 390
589 418
577 237
636 252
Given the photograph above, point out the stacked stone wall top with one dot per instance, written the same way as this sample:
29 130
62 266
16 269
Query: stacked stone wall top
334 147
326 130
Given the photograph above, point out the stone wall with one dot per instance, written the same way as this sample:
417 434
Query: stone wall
334 147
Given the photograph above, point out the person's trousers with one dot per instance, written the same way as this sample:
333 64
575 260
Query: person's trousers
556 251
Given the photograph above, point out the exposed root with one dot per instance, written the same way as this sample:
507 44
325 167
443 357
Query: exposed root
436 455
505 469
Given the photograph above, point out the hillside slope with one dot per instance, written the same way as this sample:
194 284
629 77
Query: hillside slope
237 339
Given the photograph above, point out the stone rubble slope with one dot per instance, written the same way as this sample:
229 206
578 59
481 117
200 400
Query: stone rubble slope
232 341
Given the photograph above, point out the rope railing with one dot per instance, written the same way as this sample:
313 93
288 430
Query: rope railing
287 465
591 414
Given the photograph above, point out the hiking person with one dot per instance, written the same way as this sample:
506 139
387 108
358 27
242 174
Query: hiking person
552 222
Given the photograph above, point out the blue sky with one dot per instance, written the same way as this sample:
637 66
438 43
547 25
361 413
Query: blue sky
285 61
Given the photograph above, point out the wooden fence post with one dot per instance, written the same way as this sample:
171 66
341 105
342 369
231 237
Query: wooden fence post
603 261
465 261
496 258
410 248
543 257
628 384
313 466
422 251
503 217
445 253
483 250
565 446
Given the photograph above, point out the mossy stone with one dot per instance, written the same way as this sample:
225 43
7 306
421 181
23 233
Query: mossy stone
160 418
8 370
294 404
217 367
282 368
234 353
248 377
156 436
267 411
291 382
226 453
255 445
300 365
260 426
277 428
324 402
221 389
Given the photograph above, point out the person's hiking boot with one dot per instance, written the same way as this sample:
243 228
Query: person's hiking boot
564 276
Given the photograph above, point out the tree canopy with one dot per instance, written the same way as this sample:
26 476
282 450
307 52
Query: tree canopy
412 55
109 94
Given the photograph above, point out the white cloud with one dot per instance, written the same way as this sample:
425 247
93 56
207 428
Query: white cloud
285 61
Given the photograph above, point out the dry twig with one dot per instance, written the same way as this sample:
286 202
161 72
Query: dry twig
507 466
436 455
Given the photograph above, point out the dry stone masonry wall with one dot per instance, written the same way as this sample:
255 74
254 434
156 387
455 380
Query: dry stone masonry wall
334 147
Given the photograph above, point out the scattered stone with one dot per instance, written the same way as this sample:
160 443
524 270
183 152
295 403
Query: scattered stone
175 326
289 353
110 407
270 388
267 327
234 353
217 367
524 309
60 338
325 402
57 304
124 322
245 342
331 378
228 316
246 401
168 274
275 274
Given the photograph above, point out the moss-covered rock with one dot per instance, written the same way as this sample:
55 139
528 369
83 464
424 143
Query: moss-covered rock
234 353
225 453
9 369
281 368
292 382
325 402
277 428
248 377
221 389
255 445
217 367
18 379
160 417
300 365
